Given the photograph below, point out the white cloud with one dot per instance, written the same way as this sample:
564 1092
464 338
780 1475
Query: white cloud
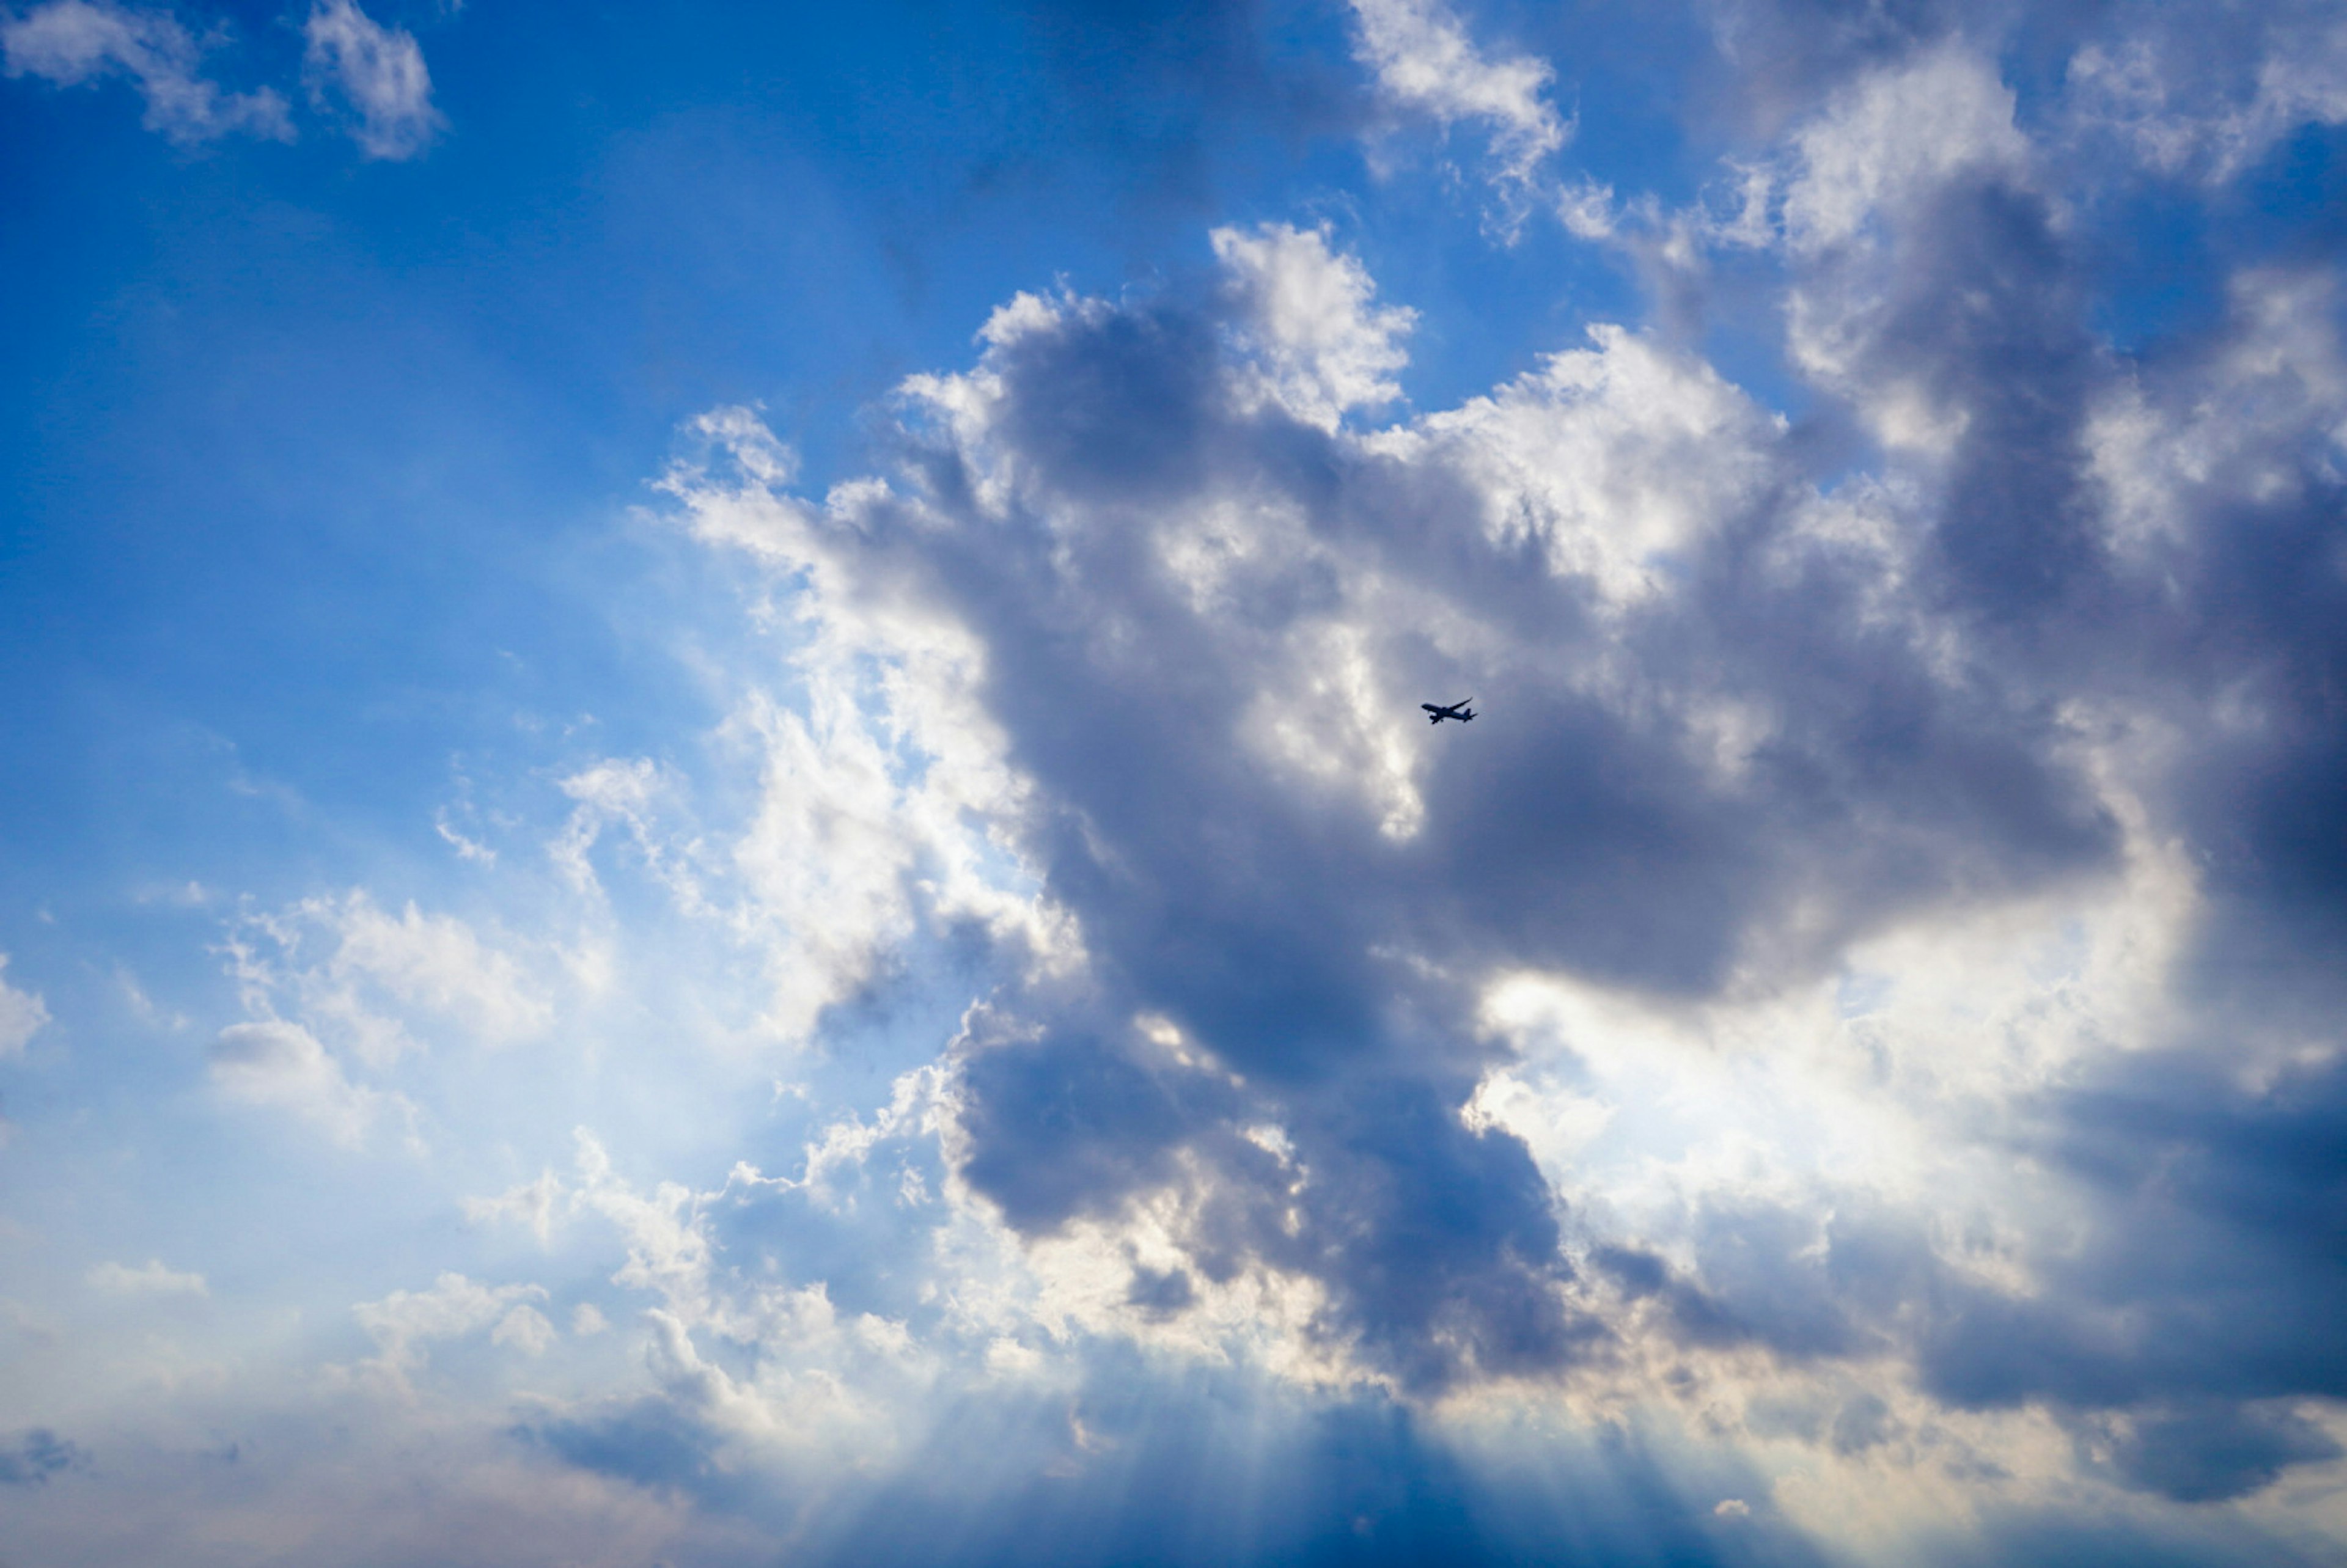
1615 461
1870 1078
823 1393
386 979
1425 64
667 1240
534 1204
915 1109
880 793
828 859
1896 137
818 883
379 71
70 42
624 791
283 1066
407 1323
437 964
2278 387
526 1329
1854 201
152 1279
2153 92
1317 344
467 848
22 1014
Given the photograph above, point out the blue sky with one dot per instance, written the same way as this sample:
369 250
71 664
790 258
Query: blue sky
719 848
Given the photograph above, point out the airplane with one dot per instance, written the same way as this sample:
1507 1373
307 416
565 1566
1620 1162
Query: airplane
1458 711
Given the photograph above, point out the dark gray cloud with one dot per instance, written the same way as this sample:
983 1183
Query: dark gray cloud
1326 961
1745 708
1065 1126
2218 1260
1920 745
2205 1453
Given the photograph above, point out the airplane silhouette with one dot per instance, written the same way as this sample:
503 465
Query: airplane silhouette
1458 711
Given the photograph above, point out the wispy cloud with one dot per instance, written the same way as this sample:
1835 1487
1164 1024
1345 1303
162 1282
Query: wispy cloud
23 1014
378 72
151 1279
1425 64
71 42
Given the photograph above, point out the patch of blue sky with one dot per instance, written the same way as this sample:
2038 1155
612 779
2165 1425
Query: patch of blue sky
2164 248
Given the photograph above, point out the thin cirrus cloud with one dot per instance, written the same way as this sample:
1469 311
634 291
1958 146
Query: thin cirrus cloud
374 74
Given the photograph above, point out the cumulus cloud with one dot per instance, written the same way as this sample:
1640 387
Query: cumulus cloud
283 1066
820 885
70 42
385 983
1784 1015
1319 345
878 801
378 72
1899 134
338 992
1861 788
1309 935
404 1324
435 963
524 1328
